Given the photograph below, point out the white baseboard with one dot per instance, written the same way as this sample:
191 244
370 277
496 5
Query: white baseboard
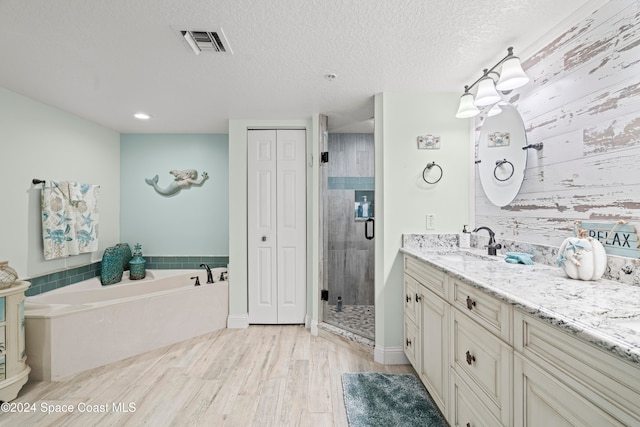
390 355
314 328
307 321
238 321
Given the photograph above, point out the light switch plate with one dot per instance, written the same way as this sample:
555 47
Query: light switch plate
431 222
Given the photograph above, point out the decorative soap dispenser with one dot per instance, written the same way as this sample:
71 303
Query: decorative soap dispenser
136 265
465 238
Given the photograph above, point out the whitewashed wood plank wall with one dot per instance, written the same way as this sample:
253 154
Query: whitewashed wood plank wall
584 103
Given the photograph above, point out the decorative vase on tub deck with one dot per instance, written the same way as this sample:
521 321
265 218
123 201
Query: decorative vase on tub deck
582 257
137 270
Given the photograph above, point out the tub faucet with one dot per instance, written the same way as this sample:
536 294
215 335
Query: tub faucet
197 280
209 275
492 247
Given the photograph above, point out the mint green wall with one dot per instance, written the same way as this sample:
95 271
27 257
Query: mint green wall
194 221
403 199
39 141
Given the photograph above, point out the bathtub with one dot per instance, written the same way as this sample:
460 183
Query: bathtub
86 325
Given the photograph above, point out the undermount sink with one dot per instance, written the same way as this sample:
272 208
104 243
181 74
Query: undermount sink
465 256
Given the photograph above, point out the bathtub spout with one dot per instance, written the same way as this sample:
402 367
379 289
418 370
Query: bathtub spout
209 275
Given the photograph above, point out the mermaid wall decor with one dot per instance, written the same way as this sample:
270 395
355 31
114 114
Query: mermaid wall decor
183 179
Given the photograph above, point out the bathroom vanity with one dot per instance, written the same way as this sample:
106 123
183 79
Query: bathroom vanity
14 371
521 345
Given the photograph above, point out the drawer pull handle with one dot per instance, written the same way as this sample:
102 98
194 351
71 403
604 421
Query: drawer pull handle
468 424
418 298
408 298
408 342
470 358
470 303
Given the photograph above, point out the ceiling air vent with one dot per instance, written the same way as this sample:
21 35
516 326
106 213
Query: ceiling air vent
207 41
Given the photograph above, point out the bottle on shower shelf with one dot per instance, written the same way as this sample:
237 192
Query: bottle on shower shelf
339 304
365 207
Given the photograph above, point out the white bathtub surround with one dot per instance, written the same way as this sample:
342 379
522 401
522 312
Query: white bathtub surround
602 312
86 325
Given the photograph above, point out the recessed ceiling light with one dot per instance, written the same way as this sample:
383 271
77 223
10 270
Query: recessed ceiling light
142 116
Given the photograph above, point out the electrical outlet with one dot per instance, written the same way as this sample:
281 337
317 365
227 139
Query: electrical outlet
431 222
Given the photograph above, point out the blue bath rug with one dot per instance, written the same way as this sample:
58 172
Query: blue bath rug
377 399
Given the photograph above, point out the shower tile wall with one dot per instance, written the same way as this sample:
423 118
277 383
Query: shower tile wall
349 255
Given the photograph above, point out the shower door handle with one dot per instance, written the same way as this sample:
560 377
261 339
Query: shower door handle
366 229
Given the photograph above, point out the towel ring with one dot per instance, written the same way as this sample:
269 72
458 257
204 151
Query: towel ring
500 163
429 166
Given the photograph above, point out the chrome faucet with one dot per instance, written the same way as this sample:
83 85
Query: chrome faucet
209 275
492 247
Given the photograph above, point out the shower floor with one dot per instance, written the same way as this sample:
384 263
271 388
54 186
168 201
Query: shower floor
359 319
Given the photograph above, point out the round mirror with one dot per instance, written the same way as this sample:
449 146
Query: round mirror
502 159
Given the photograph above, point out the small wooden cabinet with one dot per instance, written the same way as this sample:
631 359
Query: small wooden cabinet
488 364
14 371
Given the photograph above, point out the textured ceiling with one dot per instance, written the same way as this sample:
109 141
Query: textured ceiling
105 60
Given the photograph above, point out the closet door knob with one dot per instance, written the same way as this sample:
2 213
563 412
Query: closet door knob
264 238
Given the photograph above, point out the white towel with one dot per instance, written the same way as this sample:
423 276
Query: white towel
69 219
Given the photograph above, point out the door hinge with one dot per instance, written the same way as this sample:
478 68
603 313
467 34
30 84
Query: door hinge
324 157
324 295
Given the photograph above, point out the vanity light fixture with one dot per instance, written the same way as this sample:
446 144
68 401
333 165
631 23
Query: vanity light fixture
512 76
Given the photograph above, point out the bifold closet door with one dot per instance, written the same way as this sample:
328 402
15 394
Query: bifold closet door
276 226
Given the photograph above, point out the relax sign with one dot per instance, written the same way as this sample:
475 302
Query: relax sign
617 239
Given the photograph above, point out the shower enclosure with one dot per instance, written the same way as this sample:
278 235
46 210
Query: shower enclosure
348 206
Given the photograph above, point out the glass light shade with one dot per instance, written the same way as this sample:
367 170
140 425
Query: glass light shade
467 108
494 111
512 75
487 93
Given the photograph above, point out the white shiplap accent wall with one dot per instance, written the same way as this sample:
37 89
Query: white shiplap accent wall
584 103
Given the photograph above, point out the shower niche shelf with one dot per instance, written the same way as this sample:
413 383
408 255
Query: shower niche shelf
363 205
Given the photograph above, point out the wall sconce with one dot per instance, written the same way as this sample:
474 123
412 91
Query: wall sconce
511 76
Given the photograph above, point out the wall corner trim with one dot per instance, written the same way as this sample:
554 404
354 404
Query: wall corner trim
238 321
390 355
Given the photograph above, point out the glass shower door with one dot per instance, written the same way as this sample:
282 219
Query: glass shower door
348 227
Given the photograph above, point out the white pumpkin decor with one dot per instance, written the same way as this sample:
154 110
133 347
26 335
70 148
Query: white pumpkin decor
582 257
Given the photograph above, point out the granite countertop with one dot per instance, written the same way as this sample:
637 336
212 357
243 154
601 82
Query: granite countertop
603 312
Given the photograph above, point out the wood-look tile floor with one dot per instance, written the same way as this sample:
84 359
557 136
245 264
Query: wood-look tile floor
260 376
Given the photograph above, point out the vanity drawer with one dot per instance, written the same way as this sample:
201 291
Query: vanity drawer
430 277
485 363
488 311
609 382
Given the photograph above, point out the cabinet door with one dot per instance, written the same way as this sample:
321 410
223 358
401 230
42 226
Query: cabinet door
434 327
542 400
466 408
411 304
485 363
412 343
